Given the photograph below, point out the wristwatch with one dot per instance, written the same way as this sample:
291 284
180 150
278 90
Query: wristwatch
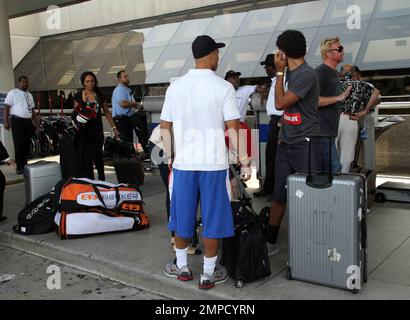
278 74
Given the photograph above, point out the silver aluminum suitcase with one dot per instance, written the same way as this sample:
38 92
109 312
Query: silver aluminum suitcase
327 229
40 178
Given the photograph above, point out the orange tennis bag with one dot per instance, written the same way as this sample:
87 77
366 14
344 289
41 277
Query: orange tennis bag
89 207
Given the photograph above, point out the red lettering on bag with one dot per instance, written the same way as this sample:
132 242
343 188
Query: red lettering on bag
89 197
292 118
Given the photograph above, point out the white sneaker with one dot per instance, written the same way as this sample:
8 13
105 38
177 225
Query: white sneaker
272 249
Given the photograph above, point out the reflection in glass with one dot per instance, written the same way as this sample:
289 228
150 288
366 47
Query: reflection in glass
261 21
243 57
161 35
303 15
170 63
189 30
225 26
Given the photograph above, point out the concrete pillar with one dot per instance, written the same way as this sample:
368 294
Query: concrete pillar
6 62
6 69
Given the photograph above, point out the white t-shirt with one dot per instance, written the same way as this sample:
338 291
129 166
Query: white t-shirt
242 96
198 104
270 104
21 103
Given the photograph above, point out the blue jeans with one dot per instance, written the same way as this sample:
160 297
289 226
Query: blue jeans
336 165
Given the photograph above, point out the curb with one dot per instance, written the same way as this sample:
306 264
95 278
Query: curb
133 277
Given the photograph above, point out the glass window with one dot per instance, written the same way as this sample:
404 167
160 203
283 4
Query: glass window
337 11
303 15
140 62
392 8
57 48
261 21
225 26
243 57
387 44
135 37
189 30
113 41
170 63
161 35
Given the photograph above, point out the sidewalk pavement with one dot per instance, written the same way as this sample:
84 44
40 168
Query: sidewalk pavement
138 258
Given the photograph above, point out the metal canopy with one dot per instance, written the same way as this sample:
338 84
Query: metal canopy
18 8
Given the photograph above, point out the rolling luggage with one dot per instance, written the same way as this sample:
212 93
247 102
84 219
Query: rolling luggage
68 159
245 255
129 170
327 229
40 178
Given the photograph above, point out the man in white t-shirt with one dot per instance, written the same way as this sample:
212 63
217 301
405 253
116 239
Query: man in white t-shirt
18 114
196 110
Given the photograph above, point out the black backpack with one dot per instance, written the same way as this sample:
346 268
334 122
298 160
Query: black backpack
37 217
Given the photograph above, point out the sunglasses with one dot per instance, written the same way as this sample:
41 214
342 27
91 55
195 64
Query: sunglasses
338 49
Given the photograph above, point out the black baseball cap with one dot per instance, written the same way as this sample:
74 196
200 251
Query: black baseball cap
269 61
204 45
232 73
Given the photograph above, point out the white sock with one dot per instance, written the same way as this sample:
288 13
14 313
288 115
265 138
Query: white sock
182 257
209 265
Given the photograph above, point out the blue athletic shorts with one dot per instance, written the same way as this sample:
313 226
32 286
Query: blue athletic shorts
212 189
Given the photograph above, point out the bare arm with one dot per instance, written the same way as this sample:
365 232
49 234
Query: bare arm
110 120
166 136
6 121
373 101
327 101
129 104
283 100
240 148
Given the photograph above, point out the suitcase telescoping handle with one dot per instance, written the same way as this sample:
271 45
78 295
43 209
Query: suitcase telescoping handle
319 181
243 194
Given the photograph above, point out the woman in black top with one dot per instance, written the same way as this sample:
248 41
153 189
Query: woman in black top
89 139
4 158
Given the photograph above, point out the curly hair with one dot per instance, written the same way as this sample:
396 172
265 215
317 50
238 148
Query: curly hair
292 43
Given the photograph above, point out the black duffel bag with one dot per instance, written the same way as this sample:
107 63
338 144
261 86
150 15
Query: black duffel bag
37 217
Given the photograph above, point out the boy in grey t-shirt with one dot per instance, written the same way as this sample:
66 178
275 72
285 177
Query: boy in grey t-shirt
300 120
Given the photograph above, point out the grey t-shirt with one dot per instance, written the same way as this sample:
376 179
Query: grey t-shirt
302 119
329 86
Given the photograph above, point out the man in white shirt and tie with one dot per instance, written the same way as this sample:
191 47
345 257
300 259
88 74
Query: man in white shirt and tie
274 115
18 115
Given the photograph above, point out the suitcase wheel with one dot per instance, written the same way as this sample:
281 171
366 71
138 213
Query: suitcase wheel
354 291
239 284
380 197
288 274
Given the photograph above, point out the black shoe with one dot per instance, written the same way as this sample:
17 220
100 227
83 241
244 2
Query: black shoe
2 218
260 193
19 171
